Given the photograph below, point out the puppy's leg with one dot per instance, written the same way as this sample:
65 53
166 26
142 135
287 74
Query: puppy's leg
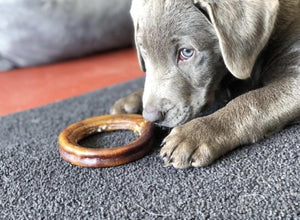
130 104
246 119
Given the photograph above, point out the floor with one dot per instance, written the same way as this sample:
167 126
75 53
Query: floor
22 89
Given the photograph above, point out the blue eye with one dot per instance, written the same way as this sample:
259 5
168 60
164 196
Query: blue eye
185 54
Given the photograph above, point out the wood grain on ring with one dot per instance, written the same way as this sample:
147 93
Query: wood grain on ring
72 152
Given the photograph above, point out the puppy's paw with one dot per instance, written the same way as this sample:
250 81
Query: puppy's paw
192 144
131 104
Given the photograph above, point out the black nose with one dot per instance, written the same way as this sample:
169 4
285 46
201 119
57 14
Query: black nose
152 114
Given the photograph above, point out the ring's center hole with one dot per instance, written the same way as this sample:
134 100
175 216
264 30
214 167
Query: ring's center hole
109 139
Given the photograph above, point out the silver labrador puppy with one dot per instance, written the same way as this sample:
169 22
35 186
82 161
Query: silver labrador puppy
187 49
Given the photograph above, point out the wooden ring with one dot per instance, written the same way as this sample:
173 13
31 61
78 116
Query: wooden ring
72 152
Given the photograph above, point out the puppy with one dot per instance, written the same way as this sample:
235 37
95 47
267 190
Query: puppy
190 48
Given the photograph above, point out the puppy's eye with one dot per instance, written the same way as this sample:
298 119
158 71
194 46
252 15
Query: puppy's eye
185 54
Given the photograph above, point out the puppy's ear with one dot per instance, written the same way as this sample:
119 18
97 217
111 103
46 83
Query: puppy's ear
243 29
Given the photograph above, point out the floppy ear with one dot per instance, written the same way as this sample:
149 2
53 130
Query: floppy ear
243 29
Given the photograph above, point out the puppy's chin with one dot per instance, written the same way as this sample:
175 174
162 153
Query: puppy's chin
180 116
173 120
170 124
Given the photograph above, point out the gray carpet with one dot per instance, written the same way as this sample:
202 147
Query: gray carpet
253 182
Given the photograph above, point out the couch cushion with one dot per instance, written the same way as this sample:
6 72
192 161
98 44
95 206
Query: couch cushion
39 32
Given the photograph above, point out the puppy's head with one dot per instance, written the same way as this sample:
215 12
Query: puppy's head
186 49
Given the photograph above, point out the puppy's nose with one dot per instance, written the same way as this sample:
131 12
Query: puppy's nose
150 113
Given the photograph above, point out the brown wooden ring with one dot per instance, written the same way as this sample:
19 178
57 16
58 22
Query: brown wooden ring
72 152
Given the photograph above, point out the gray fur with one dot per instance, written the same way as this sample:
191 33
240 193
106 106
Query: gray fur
34 32
257 41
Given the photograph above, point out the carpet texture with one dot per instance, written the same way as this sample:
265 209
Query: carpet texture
253 182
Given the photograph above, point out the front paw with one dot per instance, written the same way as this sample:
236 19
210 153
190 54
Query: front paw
131 104
197 143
